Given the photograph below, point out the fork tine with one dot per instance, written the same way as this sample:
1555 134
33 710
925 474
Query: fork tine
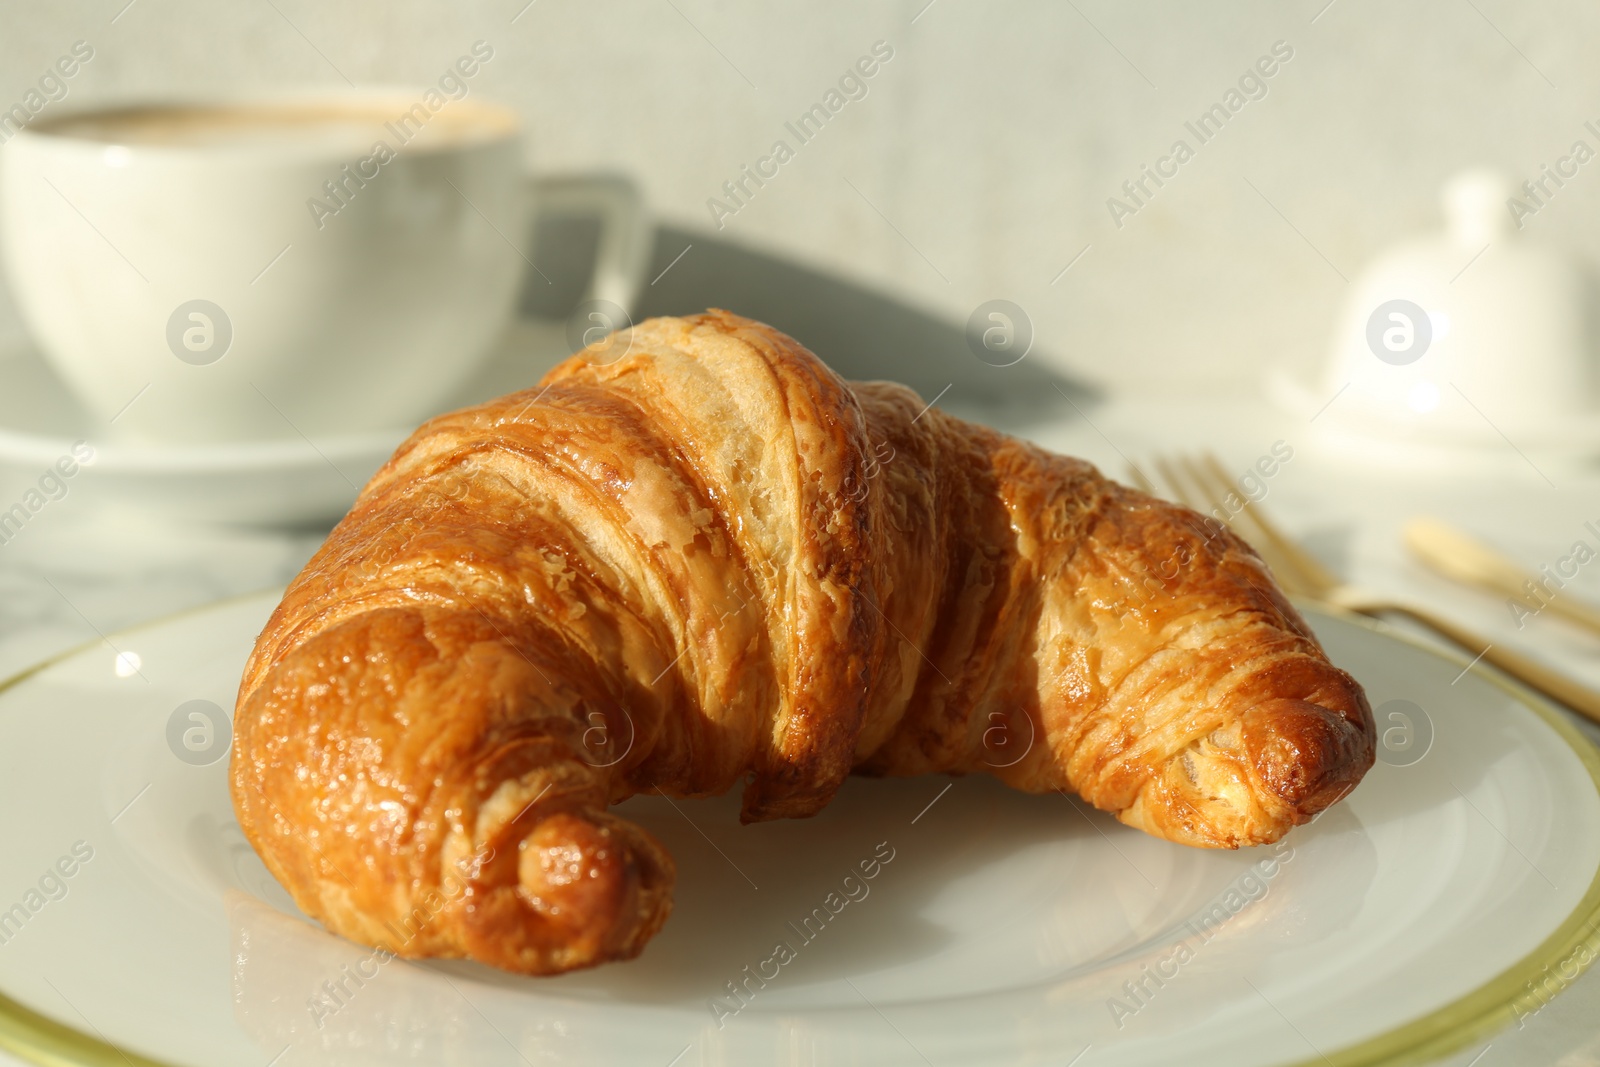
1189 488
1140 482
1308 565
1281 565
1180 489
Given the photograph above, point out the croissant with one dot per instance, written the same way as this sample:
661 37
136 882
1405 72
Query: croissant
694 556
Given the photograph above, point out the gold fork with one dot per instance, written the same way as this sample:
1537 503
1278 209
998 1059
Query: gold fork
1204 485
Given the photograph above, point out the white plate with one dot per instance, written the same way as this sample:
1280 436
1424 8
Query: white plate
1441 898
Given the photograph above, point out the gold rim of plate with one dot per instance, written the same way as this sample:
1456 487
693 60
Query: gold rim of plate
1486 1010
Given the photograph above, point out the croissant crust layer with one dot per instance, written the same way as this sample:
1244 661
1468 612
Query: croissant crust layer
710 562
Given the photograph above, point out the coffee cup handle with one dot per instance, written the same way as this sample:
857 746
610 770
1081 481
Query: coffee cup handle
623 253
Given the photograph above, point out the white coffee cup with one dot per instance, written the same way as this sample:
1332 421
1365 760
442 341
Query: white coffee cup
301 265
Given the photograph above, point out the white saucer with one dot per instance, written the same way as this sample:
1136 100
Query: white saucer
1341 426
286 481
1452 893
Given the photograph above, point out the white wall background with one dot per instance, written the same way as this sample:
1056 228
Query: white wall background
990 142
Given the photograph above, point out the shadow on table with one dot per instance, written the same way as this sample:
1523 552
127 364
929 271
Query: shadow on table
860 333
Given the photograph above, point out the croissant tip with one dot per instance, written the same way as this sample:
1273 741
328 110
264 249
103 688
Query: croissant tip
1309 756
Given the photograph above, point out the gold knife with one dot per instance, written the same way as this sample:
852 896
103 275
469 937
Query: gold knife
1465 559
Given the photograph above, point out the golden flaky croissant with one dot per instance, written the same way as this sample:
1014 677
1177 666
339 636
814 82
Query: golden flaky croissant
712 561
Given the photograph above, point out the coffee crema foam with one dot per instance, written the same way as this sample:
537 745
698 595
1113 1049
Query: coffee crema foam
318 126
